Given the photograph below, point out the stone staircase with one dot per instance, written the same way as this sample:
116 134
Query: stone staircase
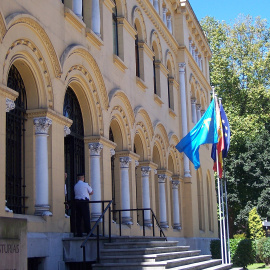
153 253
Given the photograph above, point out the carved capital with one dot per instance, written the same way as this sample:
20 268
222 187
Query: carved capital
193 101
182 67
124 162
161 178
10 105
145 170
137 163
112 151
175 184
95 148
66 131
42 125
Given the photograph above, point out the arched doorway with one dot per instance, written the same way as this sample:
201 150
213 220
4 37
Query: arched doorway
74 148
15 145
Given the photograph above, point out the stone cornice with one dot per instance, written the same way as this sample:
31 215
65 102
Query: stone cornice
150 11
119 63
8 92
141 84
95 139
127 154
55 116
194 24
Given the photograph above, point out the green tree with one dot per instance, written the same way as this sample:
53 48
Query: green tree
255 225
239 71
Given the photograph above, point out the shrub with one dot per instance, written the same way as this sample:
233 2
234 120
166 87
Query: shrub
263 250
215 249
255 225
244 254
240 236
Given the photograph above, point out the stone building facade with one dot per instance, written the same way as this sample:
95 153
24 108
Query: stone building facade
105 87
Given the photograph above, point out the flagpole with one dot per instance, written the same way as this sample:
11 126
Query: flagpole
219 202
227 216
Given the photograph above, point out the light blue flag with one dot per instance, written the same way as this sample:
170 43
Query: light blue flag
205 131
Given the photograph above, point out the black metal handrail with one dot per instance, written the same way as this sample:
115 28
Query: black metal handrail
154 218
96 225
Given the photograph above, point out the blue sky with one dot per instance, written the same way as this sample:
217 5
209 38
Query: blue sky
228 10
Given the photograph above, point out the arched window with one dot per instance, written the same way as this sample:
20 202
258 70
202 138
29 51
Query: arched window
115 30
111 138
74 147
15 142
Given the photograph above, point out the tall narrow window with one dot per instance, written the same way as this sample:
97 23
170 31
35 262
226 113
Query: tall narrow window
154 74
15 142
115 30
169 95
111 138
137 57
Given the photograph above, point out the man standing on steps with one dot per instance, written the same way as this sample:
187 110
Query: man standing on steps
82 197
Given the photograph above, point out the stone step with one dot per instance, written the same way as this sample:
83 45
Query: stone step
130 266
125 245
150 257
188 260
137 238
141 251
198 265
221 267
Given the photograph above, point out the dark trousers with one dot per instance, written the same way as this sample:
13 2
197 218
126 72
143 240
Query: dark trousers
82 213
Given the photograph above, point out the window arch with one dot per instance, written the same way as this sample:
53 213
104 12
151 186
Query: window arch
15 140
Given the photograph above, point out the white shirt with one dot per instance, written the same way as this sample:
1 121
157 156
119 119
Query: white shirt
82 190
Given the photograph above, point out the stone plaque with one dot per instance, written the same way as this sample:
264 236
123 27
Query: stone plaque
9 254
13 243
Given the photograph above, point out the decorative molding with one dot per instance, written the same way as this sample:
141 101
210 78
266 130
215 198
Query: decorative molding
40 58
17 18
3 27
146 49
148 8
112 151
140 110
119 63
109 4
84 53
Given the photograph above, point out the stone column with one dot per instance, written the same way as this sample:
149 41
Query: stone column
162 201
164 11
125 196
95 179
42 125
96 17
156 5
182 79
193 108
198 108
169 23
77 8
176 214
146 194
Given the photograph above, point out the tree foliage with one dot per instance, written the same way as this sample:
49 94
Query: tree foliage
239 71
